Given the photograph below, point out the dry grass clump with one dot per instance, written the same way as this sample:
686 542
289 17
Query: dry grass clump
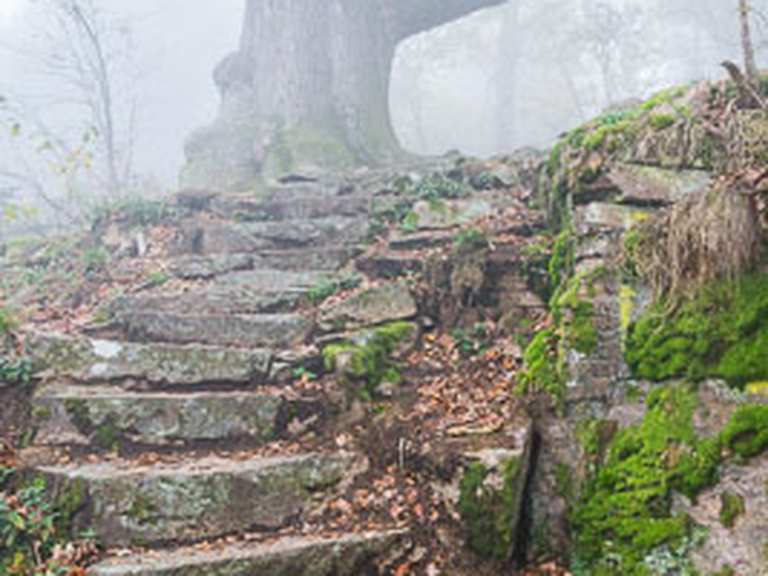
715 235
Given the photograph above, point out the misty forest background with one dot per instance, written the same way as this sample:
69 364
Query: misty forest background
507 77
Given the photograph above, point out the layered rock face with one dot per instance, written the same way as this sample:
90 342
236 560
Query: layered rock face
438 367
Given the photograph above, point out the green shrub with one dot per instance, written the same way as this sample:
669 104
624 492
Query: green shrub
747 431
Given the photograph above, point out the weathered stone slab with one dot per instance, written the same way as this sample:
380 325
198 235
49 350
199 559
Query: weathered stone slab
651 186
192 501
347 555
333 230
420 240
204 268
604 216
329 258
450 213
388 302
265 330
215 300
246 208
388 265
107 417
85 360
272 281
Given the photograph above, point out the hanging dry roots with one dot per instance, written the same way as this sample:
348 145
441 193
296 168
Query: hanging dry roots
711 236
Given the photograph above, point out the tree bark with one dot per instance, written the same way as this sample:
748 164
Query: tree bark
750 66
308 89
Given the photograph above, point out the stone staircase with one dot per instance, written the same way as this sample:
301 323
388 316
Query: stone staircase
191 384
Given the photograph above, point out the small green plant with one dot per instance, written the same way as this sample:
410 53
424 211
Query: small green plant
8 322
30 529
470 240
471 342
410 223
95 259
662 121
302 373
328 287
15 370
731 507
134 211
158 278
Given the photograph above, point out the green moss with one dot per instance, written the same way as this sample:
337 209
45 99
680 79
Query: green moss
543 370
722 332
8 321
561 262
626 509
662 121
727 571
80 414
575 314
490 514
731 507
68 503
747 431
142 509
371 359
302 146
107 435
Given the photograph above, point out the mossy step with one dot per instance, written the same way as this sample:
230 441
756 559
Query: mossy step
347 555
208 498
106 418
88 360
265 330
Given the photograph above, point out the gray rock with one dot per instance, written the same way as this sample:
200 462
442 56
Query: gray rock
450 213
270 330
85 360
649 185
204 268
347 555
106 417
192 501
384 303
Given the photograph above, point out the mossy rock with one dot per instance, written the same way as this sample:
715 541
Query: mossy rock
490 503
721 332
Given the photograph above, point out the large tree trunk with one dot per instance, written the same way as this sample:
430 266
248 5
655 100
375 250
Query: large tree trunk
308 88
750 66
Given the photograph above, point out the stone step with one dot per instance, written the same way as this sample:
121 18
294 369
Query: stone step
216 300
207 238
86 360
326 260
205 499
265 330
280 207
347 555
235 293
329 258
110 418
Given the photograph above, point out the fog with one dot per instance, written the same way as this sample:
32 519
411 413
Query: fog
509 76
